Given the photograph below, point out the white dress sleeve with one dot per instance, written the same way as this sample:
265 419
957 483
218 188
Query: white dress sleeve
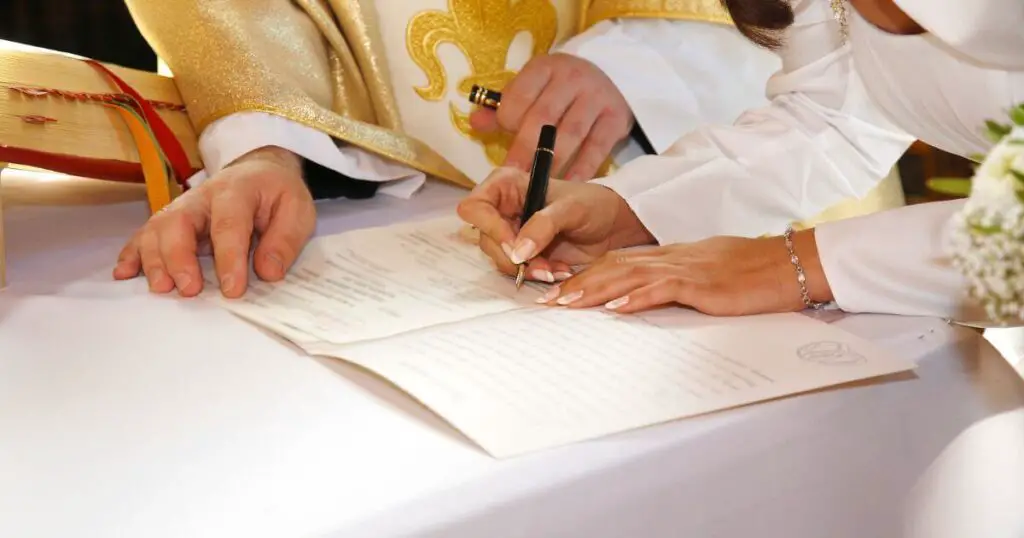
896 262
692 72
232 136
818 142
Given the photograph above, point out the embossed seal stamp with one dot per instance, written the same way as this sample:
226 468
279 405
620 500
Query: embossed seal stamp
827 352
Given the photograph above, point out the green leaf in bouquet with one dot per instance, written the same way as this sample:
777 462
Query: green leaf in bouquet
950 186
1017 114
977 229
995 131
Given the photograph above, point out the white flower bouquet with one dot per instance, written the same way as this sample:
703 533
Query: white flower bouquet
988 235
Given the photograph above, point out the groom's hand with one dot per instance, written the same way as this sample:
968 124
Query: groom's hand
591 114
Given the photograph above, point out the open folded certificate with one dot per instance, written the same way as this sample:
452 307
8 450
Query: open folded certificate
419 305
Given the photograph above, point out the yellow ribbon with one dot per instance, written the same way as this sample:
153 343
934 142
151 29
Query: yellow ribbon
154 168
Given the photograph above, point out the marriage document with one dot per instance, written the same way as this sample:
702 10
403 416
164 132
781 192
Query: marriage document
422 308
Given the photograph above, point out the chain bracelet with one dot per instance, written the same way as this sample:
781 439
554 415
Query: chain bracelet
801 277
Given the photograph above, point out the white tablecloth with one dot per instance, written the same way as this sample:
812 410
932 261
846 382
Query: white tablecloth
129 415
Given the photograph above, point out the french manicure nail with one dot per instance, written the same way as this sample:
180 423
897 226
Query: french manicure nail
523 251
562 275
507 249
227 283
550 295
571 298
543 276
617 303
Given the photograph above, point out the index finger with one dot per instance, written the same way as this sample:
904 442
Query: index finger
494 205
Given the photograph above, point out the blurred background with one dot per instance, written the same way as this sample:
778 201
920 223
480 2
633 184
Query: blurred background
100 29
103 30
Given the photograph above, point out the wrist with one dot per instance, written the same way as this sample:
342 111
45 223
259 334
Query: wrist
631 231
806 248
274 155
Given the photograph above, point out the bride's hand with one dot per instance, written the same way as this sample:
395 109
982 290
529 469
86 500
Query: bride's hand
580 222
722 276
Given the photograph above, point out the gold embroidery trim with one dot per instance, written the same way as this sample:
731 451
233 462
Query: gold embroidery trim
596 11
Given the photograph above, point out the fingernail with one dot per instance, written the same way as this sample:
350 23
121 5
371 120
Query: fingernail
550 295
507 249
523 251
182 280
571 298
543 276
617 303
562 275
275 261
155 276
227 283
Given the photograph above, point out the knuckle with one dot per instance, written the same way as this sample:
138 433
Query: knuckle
545 113
508 174
173 219
573 130
679 289
638 270
574 73
226 223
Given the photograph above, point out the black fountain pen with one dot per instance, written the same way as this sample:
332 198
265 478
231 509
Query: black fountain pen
540 175
537 192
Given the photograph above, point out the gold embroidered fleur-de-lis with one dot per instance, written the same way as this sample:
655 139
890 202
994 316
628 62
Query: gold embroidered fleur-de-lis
483 30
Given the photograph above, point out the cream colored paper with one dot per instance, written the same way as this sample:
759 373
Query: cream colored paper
379 282
516 377
528 380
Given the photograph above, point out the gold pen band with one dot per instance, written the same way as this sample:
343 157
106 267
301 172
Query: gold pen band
486 98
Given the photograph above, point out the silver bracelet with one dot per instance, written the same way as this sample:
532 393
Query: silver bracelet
801 278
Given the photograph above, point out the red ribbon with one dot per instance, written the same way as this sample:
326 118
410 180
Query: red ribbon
164 136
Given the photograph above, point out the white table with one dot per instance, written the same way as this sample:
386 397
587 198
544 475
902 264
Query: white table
125 414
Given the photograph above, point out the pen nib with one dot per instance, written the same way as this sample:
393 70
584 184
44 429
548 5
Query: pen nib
520 275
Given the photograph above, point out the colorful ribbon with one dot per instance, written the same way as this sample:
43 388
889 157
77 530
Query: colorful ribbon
177 158
155 169
165 165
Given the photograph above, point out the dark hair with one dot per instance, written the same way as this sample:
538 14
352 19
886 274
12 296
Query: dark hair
761 21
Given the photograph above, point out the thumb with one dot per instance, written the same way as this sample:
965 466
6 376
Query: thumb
484 120
290 227
541 230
